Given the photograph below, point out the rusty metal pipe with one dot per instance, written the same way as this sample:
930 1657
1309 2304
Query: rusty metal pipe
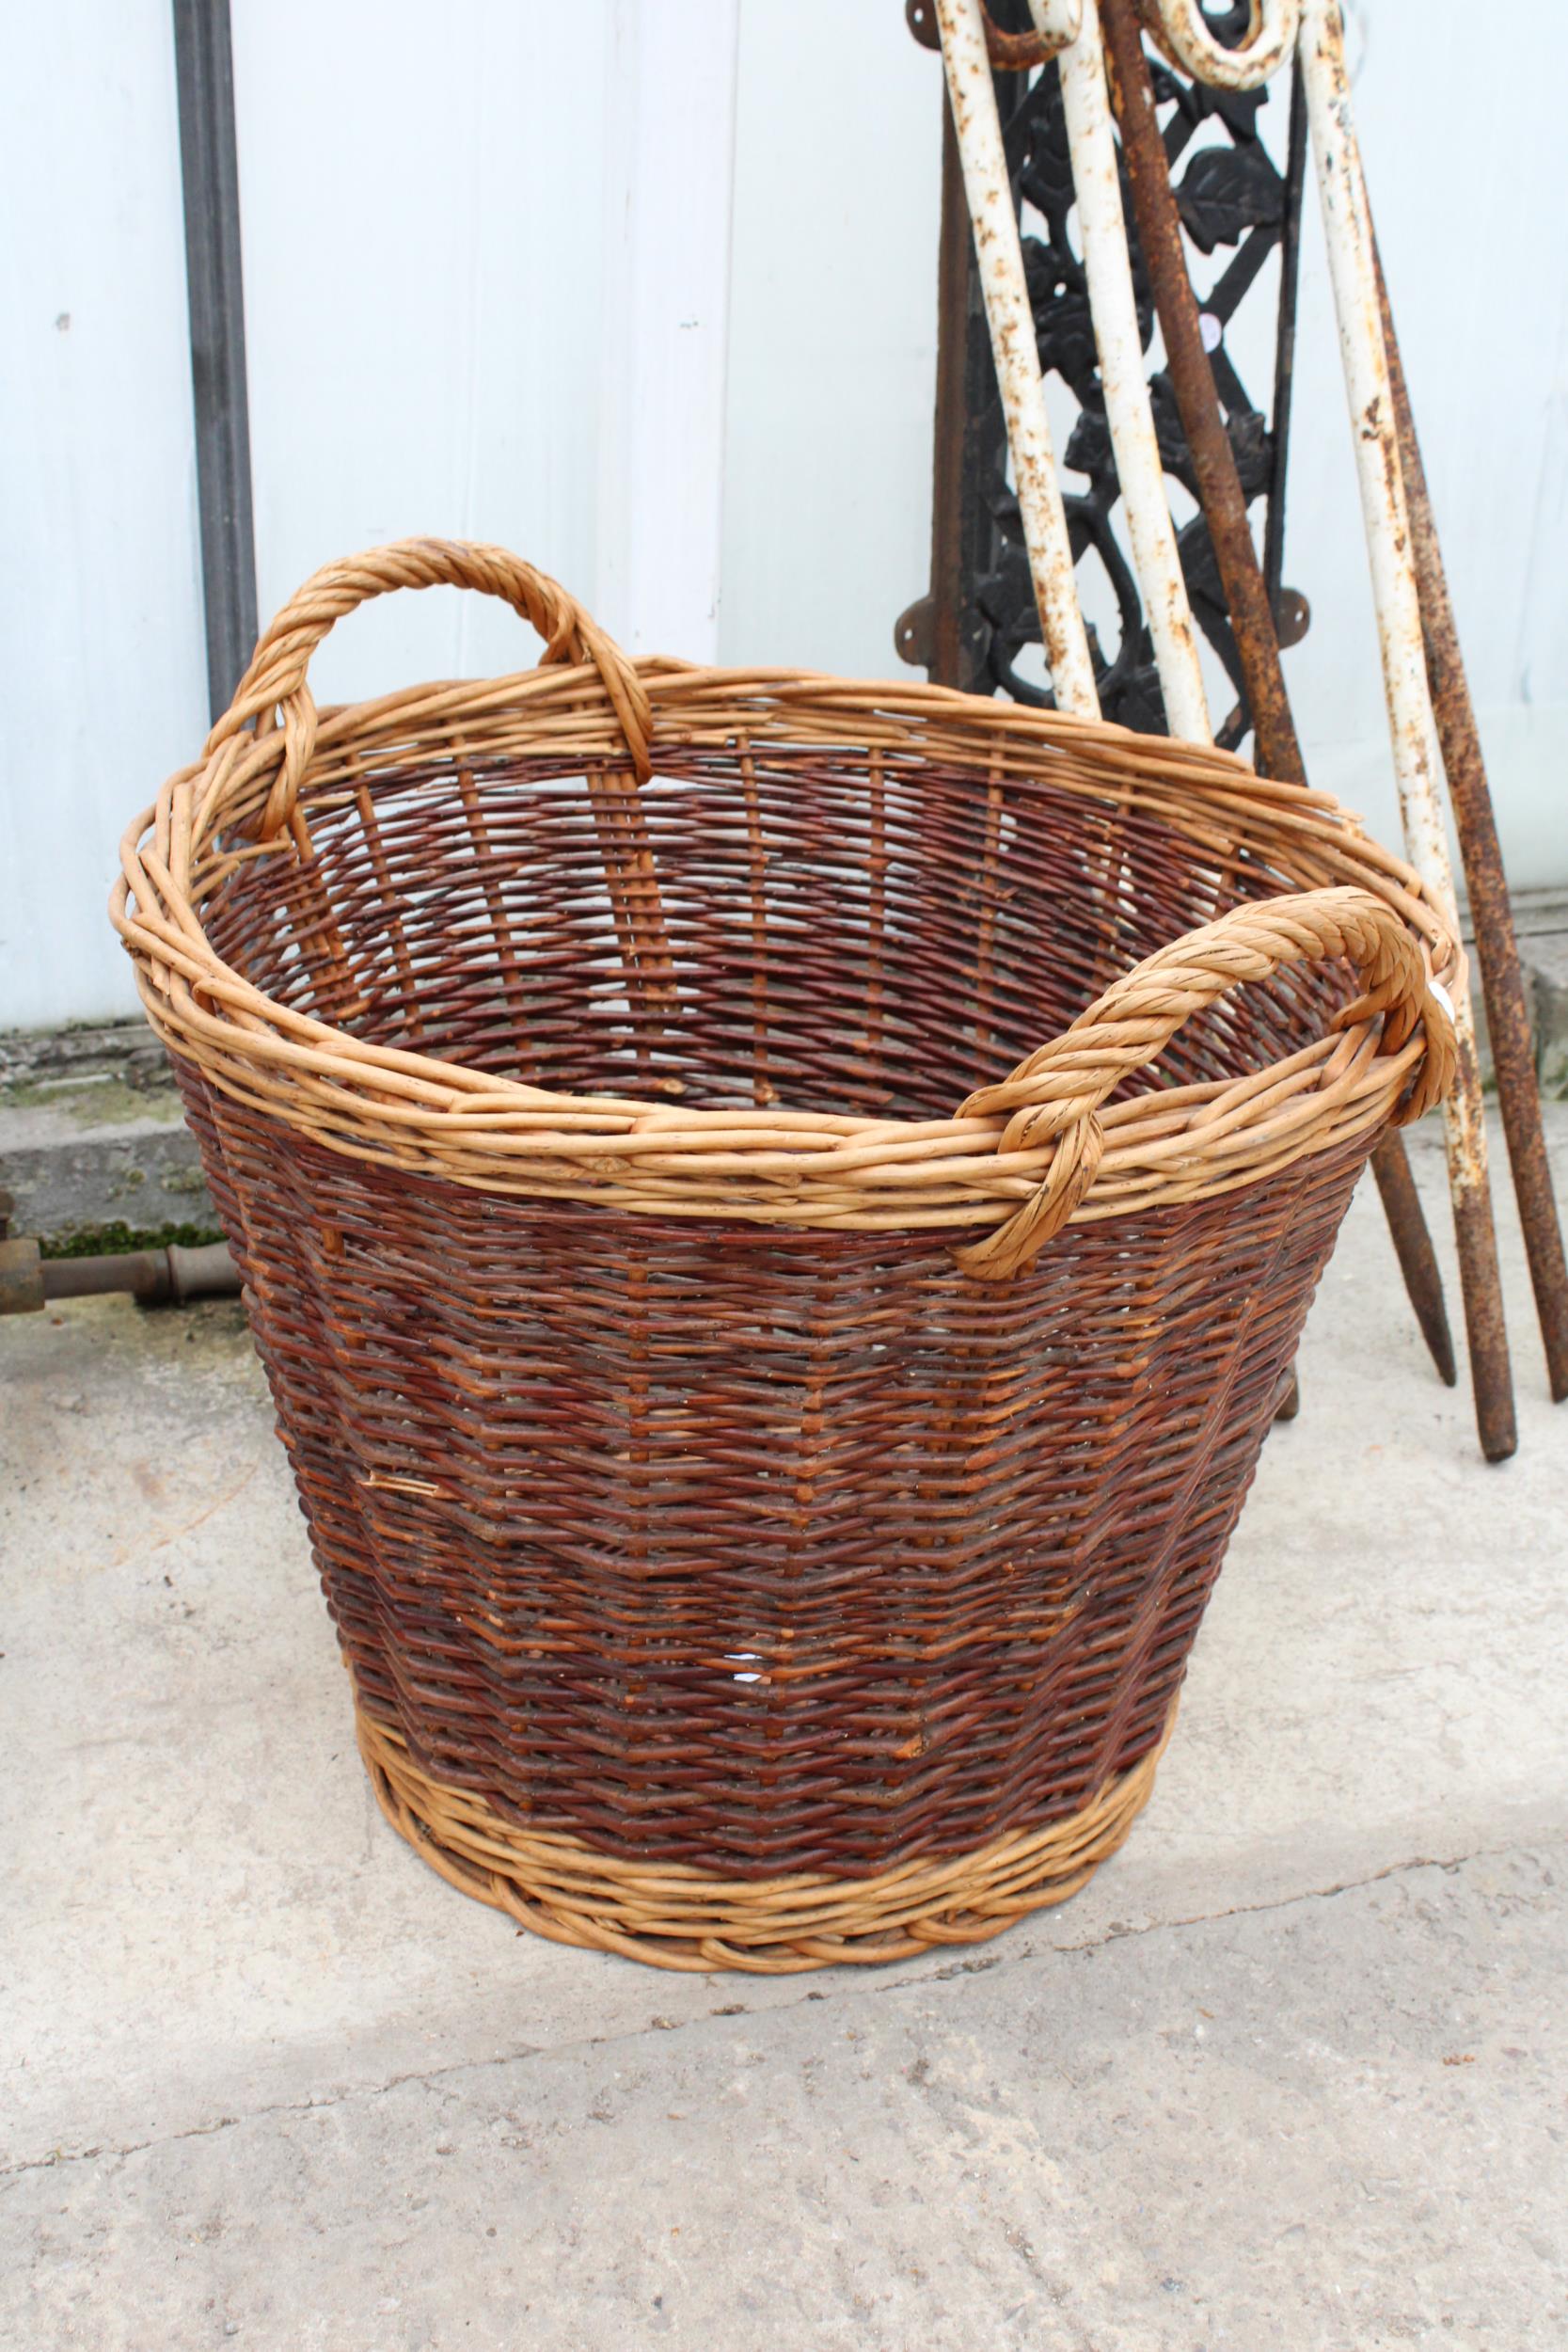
142 1272
153 1278
1246 594
1496 950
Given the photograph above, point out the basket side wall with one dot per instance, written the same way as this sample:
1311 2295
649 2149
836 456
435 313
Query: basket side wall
754 1548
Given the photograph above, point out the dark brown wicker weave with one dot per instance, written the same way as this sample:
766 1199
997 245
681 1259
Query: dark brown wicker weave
766 1490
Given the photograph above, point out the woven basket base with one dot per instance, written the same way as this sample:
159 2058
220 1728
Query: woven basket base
675 1917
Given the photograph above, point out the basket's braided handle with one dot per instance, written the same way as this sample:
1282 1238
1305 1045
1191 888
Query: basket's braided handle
277 679
1057 1093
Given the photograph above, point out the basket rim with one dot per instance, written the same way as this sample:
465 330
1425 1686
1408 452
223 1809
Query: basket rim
1021 1157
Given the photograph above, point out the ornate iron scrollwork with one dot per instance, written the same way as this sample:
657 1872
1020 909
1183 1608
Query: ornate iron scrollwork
1238 208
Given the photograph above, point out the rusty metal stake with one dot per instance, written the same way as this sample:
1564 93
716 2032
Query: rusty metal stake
1246 594
1497 951
1402 1205
1192 378
931 631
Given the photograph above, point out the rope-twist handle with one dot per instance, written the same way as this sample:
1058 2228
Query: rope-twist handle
277 679
1057 1093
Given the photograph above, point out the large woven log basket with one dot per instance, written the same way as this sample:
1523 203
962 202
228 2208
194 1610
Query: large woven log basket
776 1212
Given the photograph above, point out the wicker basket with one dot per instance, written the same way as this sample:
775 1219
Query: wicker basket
776 1212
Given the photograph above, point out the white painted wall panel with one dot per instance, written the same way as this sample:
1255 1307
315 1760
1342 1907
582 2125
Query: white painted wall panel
832 334
421 193
101 668
670 157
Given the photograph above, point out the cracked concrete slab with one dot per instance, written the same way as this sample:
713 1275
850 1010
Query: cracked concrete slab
1277 2128
216 1954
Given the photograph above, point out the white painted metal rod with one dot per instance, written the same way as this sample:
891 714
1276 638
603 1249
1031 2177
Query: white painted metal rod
1057 21
1347 228
1013 345
1112 305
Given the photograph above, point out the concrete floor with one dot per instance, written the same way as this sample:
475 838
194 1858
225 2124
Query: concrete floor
1289 2073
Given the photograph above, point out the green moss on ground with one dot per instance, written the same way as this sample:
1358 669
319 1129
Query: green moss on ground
105 1241
93 1101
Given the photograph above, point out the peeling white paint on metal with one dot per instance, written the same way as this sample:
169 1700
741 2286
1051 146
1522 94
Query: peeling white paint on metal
1018 371
1057 22
1112 305
1348 235
1178 28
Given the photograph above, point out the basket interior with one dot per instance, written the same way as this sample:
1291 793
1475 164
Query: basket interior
864 933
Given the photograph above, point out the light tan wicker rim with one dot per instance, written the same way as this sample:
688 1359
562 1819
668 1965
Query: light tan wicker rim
679 1917
1015 1162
